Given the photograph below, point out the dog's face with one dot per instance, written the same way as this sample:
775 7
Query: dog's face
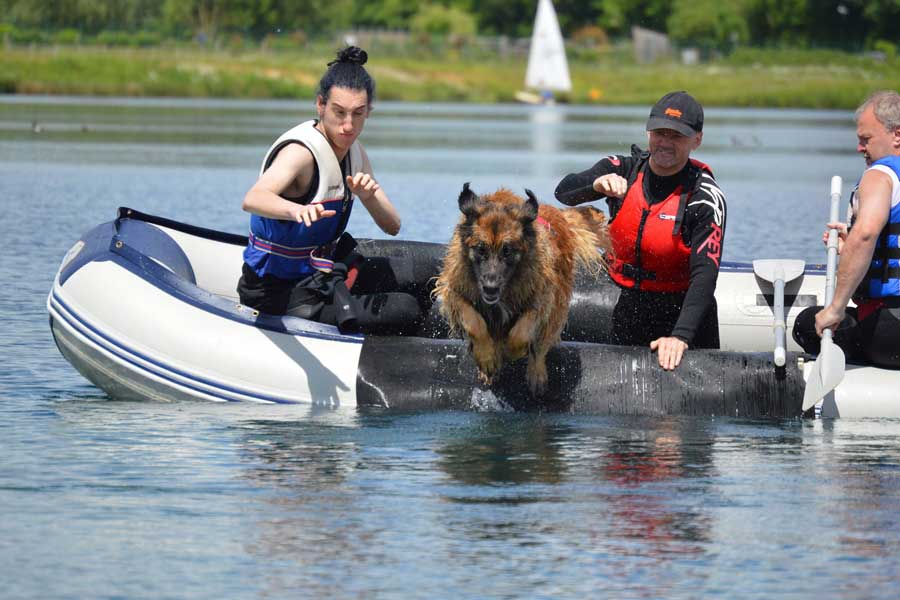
496 234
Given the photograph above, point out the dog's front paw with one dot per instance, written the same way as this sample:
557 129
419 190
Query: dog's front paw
486 360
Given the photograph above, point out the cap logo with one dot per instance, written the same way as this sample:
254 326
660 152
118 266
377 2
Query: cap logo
673 112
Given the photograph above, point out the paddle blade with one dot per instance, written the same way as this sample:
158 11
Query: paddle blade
767 269
827 372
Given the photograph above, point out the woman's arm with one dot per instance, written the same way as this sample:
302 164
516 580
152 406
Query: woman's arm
292 170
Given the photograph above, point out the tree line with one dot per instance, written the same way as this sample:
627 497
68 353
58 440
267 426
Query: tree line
843 24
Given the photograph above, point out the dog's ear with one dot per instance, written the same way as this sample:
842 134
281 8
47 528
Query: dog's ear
531 206
467 199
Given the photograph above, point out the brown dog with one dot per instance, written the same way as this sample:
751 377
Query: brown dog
508 273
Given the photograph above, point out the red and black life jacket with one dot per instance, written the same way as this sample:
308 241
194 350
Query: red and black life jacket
648 250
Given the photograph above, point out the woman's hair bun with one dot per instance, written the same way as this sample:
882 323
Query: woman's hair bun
351 54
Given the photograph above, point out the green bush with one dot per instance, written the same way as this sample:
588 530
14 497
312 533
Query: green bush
7 84
707 24
67 37
113 38
438 20
124 39
7 30
26 36
146 39
887 48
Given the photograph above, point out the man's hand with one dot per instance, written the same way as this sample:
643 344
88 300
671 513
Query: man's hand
669 350
842 234
363 186
611 185
829 318
310 213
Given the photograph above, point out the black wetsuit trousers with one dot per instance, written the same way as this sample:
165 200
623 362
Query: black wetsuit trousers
374 304
874 340
641 317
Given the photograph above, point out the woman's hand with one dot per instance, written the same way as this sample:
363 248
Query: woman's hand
363 185
310 213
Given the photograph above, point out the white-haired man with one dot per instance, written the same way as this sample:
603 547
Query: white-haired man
869 269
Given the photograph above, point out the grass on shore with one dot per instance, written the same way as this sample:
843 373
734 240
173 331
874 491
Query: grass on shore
747 79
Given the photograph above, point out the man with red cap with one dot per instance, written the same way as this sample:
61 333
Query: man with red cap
667 227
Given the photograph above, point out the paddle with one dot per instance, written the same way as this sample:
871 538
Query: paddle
828 370
779 272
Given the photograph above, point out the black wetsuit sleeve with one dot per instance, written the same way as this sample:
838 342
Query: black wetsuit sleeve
578 188
704 232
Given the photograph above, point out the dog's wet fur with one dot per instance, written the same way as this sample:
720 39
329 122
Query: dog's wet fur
507 277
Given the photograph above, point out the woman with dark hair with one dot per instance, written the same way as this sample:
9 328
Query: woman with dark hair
299 260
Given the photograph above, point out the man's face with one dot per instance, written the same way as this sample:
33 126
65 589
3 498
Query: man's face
874 140
670 150
342 118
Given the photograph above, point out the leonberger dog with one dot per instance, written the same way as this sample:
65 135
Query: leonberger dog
507 277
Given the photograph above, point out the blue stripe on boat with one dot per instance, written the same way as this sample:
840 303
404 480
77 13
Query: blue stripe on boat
161 370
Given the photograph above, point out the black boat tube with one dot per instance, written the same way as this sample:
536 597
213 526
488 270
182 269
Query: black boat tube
412 374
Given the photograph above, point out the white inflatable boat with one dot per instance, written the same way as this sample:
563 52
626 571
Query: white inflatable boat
146 308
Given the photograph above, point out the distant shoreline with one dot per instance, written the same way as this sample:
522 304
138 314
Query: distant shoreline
758 81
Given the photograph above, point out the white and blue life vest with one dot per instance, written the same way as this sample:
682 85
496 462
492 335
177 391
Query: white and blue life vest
883 277
291 250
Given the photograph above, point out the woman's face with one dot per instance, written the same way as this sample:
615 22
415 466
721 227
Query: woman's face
343 116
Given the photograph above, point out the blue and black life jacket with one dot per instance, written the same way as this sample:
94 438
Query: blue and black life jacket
883 278
291 250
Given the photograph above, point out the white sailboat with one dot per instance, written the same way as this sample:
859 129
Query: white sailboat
548 69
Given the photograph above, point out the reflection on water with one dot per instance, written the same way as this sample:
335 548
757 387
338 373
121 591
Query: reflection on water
519 487
869 489
546 138
503 450
549 505
672 451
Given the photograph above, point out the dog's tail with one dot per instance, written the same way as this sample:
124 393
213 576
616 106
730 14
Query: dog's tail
591 237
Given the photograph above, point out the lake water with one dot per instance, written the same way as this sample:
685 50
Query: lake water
107 499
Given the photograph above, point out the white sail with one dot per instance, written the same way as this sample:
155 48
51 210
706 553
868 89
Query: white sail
548 69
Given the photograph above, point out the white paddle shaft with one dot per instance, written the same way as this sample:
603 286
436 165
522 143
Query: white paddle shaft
778 272
831 266
778 308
